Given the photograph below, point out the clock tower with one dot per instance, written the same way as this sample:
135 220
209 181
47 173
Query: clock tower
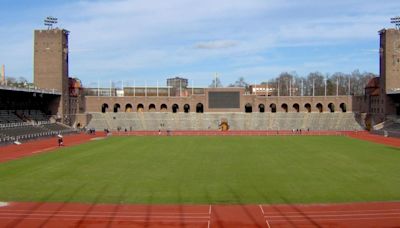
51 66
389 60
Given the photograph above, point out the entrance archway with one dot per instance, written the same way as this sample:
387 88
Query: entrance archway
175 108
104 108
343 107
186 108
116 107
152 107
296 107
272 107
224 126
331 107
199 108
248 108
128 108
308 107
163 108
140 108
320 107
261 108
284 107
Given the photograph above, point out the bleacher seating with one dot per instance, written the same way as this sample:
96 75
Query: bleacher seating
9 134
236 121
8 116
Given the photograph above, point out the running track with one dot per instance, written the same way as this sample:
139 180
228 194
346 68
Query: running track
24 214
202 216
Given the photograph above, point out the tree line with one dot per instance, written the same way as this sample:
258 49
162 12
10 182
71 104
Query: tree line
314 84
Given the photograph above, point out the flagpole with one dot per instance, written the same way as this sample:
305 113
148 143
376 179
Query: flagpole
110 87
278 87
302 87
145 88
313 89
337 86
349 86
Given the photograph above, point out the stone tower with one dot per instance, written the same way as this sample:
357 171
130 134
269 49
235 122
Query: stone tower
51 65
390 60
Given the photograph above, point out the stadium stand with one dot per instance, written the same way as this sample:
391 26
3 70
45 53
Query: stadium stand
389 128
236 121
29 131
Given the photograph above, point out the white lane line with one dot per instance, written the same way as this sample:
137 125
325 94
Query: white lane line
338 215
335 219
105 216
262 210
265 217
324 211
106 212
119 220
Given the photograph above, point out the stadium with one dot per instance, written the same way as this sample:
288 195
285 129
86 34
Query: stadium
185 156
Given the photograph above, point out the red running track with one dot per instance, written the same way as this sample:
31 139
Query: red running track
364 135
12 152
385 214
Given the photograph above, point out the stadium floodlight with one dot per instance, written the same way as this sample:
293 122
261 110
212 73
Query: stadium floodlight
50 21
396 21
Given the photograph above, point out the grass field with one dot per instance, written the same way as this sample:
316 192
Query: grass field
191 169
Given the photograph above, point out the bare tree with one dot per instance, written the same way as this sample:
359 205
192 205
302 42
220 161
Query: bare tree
216 83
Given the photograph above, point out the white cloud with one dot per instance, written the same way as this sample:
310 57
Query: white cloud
216 44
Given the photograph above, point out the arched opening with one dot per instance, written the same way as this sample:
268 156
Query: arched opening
117 107
140 107
331 107
175 108
186 108
272 107
128 108
296 107
224 126
343 107
320 107
261 108
308 107
199 108
248 108
152 107
163 108
284 107
104 108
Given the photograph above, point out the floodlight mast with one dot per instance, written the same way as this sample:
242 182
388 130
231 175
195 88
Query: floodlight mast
50 21
396 21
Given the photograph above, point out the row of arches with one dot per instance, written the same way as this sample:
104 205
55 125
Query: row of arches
248 108
152 107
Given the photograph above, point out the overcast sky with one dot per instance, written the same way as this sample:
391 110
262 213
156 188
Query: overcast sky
156 39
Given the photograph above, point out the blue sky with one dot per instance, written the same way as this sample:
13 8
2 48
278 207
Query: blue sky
152 40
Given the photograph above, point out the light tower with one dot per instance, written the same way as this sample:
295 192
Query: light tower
396 21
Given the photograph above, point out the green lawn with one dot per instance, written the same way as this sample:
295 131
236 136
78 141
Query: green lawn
190 169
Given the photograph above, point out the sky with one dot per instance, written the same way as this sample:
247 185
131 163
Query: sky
145 41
